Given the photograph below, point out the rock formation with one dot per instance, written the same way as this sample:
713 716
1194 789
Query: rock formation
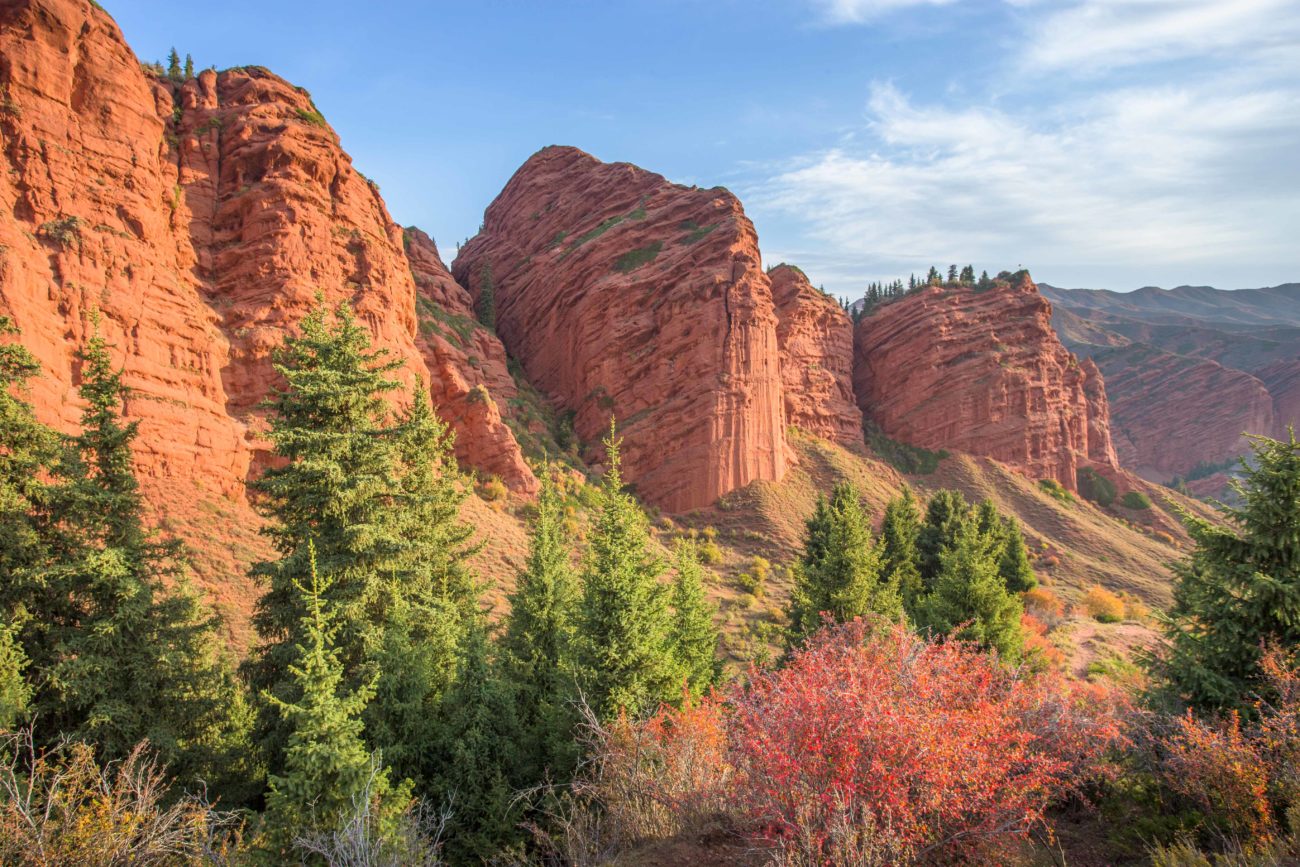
815 337
198 220
1173 413
623 294
984 373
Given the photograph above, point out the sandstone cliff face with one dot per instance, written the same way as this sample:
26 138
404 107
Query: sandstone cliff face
815 337
1171 412
984 373
199 220
621 293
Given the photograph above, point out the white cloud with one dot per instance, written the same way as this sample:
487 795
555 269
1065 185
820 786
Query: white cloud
857 11
1106 34
1135 175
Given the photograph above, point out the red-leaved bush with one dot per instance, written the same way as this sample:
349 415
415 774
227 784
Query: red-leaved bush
936 747
871 746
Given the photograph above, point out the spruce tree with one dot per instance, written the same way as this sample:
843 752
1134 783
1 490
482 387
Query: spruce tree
538 645
1014 566
693 635
840 573
140 658
626 661
479 745
968 590
189 67
15 694
327 769
898 551
174 66
945 515
1238 592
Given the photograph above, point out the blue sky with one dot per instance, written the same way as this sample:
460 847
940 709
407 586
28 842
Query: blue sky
1102 143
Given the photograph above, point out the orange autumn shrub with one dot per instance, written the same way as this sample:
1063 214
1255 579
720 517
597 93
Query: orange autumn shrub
1215 766
1045 605
1039 649
1103 605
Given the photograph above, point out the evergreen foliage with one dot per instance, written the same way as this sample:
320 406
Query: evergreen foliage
968 592
692 633
898 539
15 694
326 765
174 71
1238 592
538 645
841 573
945 515
626 660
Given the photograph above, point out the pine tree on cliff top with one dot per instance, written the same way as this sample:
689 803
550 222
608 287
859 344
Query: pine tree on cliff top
1238 592
840 573
626 661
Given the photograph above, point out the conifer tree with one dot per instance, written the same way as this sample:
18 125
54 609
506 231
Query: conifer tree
1238 592
968 590
1014 566
840 573
140 658
945 515
189 67
378 496
327 768
968 275
693 635
538 645
952 275
985 282
174 66
626 661
15 694
479 744
898 551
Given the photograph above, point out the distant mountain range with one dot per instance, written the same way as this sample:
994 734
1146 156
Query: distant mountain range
1188 370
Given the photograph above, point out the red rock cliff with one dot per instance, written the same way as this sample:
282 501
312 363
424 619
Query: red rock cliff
621 293
816 340
984 373
200 220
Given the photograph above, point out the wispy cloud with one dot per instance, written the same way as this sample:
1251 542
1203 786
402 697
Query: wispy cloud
1141 166
858 11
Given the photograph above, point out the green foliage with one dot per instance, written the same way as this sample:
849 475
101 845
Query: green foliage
311 116
840 573
379 499
1096 487
898 546
538 646
485 306
174 67
1013 561
970 593
1053 489
626 660
65 231
694 231
692 634
1135 500
15 694
634 259
903 457
326 764
945 515
1239 589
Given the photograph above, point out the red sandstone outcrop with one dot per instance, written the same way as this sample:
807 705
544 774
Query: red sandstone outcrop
199 219
815 337
1171 412
621 293
984 373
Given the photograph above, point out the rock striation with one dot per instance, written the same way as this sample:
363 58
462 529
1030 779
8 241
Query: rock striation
623 294
982 372
815 337
197 220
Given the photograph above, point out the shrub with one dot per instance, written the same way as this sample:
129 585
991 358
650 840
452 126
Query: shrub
1045 605
934 746
65 231
1212 764
494 490
311 116
1053 489
61 807
903 457
1103 605
755 580
634 259
1096 487
1136 500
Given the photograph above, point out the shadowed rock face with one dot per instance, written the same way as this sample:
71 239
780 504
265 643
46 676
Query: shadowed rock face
984 373
816 340
201 220
623 294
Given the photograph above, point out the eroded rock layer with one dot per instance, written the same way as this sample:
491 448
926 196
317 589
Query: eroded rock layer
984 373
198 219
623 294
815 336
